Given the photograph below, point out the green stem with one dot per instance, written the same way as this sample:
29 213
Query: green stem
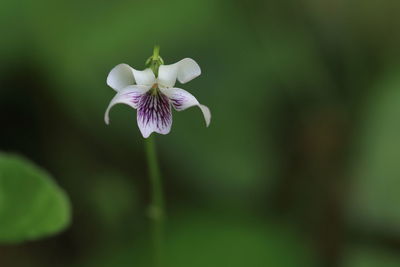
156 211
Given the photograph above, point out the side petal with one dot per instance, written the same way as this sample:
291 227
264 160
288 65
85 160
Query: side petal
154 114
124 75
130 96
182 100
185 70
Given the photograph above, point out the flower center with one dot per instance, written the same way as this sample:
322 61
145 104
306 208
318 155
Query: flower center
154 89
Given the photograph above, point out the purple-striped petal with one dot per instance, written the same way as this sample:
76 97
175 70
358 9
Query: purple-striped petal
131 96
154 113
181 100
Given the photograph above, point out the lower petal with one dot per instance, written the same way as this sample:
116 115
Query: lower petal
182 100
154 114
130 96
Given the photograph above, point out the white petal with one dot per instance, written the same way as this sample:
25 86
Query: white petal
144 77
185 70
130 95
206 114
120 77
188 70
182 100
154 114
124 75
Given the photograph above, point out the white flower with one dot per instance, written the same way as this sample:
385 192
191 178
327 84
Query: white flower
153 97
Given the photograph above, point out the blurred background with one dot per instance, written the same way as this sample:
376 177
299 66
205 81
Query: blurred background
299 167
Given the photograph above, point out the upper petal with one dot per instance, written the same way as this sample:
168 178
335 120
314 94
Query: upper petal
123 75
120 77
181 100
154 114
185 70
130 95
144 77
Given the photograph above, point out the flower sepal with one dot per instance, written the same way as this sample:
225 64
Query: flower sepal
155 61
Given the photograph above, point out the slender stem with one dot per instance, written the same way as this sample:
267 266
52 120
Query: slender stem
156 210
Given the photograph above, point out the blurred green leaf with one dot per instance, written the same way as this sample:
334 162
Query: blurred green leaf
32 205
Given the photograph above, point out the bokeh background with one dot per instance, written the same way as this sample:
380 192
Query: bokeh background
299 167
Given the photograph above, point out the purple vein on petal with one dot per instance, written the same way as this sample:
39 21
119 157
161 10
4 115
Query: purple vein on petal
134 97
154 110
177 101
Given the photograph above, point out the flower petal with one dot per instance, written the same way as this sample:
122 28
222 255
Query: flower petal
154 114
185 70
182 100
120 77
130 95
144 77
123 75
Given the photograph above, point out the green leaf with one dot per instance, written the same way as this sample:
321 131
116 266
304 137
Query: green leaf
32 205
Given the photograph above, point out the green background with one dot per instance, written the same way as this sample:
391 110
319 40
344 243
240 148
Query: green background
299 167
